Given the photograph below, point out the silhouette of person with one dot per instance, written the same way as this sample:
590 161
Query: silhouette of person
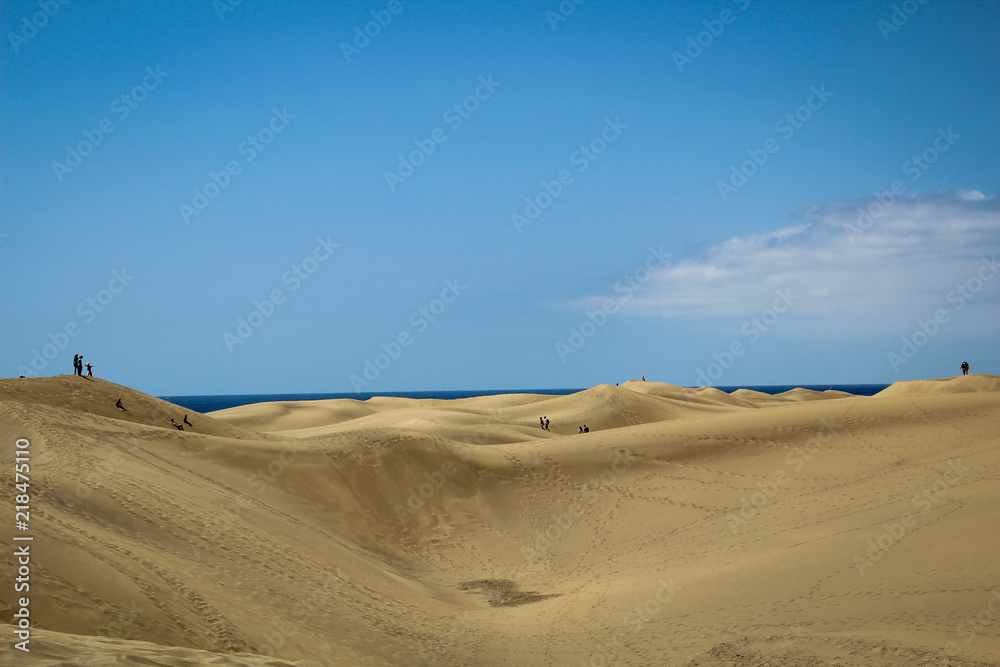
90 371
118 404
176 425
965 368
541 422
79 366
186 421
546 423
586 429
76 362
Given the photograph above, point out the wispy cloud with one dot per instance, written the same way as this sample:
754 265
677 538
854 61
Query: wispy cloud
858 266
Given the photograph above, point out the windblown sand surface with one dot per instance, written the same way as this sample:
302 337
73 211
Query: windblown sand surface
689 527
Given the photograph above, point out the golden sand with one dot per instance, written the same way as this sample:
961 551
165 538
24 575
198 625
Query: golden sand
689 527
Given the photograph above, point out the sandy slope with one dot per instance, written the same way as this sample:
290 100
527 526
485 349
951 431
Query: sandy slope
690 527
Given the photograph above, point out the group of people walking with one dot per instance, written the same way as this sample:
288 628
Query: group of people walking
544 423
78 366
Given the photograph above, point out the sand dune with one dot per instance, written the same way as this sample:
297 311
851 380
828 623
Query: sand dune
690 527
96 397
962 384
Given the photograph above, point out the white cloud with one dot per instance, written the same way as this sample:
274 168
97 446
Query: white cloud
852 274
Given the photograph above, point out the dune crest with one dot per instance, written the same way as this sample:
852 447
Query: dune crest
961 384
97 397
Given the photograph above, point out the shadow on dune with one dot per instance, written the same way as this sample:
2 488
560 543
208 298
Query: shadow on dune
503 592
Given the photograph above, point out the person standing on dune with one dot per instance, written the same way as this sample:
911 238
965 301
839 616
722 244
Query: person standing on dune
965 368
90 371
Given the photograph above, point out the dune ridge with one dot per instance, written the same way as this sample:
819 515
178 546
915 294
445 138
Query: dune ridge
689 527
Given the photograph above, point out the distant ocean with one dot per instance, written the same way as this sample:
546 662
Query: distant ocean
222 401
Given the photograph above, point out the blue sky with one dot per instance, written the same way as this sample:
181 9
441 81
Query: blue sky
486 196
